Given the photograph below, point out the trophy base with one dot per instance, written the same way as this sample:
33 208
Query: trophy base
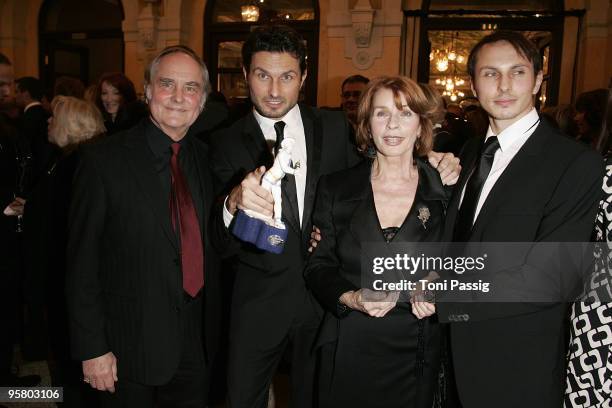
264 236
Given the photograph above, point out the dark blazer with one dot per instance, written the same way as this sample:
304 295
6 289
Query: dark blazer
513 355
8 180
269 290
399 342
124 282
33 127
343 211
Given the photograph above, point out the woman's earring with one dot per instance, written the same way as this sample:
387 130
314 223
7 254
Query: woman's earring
371 151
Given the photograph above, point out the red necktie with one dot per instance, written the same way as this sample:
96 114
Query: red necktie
183 211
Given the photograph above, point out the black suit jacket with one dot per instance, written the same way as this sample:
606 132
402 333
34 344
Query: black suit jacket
124 282
33 128
269 291
343 213
513 355
8 187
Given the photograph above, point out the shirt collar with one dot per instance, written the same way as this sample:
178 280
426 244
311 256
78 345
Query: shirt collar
291 120
159 142
517 131
35 103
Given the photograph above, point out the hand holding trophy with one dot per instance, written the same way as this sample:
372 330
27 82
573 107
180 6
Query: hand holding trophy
268 233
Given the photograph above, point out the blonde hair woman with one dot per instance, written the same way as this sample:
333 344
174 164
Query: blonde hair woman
74 121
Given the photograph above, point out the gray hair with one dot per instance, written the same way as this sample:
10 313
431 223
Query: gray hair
173 49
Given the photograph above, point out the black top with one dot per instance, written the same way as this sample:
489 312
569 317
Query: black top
128 116
389 233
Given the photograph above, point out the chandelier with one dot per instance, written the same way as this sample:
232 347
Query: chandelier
249 13
443 58
450 85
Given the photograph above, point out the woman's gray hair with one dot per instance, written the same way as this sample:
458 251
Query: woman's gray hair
173 49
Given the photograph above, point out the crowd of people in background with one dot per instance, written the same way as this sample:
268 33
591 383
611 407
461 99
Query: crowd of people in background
42 132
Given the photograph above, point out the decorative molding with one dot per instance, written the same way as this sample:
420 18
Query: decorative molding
148 28
364 27
362 17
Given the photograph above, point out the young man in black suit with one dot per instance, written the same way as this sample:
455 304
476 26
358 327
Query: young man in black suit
142 279
271 308
525 183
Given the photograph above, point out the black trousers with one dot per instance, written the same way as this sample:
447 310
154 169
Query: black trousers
10 291
252 367
188 388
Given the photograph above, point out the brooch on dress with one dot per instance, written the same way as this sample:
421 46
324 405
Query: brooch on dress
424 215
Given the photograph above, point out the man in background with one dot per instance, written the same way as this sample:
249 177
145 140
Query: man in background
10 279
351 90
33 127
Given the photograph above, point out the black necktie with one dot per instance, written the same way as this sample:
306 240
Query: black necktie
465 218
279 128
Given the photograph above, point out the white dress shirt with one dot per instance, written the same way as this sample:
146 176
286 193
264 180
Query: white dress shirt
294 128
511 139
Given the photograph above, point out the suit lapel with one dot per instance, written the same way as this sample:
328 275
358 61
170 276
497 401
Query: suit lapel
143 168
424 216
468 163
314 138
364 224
518 171
256 148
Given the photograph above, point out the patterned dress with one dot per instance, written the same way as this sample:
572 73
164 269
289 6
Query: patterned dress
589 372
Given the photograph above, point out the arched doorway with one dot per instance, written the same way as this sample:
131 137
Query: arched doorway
452 28
80 39
228 23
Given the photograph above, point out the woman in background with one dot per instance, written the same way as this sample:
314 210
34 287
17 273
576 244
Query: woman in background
589 115
116 99
74 122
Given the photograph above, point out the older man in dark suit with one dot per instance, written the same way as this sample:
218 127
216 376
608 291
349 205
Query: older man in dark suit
142 281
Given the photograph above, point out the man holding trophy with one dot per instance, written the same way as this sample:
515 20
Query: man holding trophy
269 233
272 310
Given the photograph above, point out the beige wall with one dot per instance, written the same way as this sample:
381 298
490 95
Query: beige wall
340 67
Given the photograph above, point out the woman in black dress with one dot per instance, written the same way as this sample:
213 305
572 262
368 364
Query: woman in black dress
377 353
